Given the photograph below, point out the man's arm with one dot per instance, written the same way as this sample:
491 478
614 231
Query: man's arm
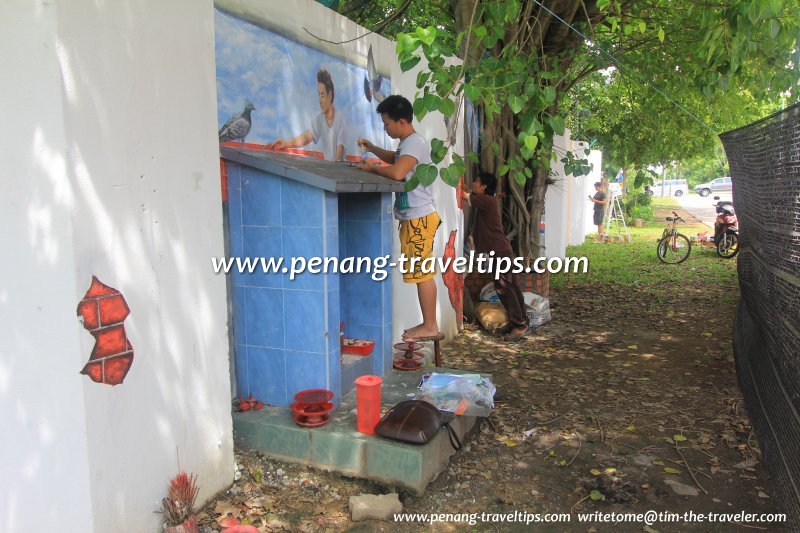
397 171
387 156
295 142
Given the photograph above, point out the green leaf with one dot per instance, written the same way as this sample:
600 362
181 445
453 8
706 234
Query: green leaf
425 174
409 63
516 103
447 107
670 470
596 495
549 95
531 141
472 92
661 34
602 4
557 123
473 157
438 151
774 28
422 78
503 170
412 183
406 43
419 108
451 175
642 26
678 438
427 35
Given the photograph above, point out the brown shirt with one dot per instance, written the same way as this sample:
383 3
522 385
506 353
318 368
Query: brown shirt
487 231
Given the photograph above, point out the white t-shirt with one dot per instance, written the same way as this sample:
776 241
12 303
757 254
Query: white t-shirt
418 202
329 137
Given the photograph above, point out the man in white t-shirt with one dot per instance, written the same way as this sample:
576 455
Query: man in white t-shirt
328 128
415 209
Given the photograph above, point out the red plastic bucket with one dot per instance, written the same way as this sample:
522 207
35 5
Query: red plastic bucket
368 403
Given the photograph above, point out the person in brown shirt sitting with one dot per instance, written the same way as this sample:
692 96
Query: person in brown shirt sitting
488 236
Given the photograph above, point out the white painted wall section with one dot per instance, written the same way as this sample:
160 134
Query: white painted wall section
112 170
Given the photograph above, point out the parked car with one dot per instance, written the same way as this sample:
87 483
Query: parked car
669 188
715 186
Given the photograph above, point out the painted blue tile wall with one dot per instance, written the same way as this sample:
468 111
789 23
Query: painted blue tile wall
286 331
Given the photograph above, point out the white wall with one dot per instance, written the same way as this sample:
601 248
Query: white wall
580 208
556 203
112 170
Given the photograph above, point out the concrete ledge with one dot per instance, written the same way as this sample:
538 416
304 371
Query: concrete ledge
338 447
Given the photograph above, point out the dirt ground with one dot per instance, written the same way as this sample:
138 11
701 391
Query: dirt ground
626 399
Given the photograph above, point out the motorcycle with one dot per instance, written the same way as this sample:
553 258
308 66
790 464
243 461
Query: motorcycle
726 229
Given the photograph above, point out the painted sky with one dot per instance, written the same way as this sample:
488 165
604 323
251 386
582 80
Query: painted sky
280 77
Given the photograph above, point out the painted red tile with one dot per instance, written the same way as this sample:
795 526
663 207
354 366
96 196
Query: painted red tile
88 310
113 310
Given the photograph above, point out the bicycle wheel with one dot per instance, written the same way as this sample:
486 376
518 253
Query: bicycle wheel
674 248
728 245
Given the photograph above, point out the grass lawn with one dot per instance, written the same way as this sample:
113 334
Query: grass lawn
635 265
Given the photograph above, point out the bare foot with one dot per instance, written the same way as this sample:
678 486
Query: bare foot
409 330
421 333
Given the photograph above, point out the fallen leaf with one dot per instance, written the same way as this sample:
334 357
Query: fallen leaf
596 495
611 470
763 495
631 428
670 470
679 438
510 443
707 334
595 472
633 347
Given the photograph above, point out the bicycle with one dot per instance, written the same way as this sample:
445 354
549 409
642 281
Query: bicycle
673 247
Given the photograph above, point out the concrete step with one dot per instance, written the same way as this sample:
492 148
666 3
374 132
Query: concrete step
338 447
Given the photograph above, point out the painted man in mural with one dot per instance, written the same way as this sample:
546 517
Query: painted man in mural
328 128
415 209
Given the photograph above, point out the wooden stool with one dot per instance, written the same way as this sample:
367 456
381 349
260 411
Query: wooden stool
437 351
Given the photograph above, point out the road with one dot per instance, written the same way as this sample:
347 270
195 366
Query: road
702 208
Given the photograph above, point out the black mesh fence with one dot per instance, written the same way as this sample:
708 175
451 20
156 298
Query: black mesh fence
764 159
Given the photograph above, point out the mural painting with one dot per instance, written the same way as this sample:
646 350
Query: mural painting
281 95
102 312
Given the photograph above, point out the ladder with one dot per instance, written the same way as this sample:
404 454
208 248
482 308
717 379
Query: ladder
615 214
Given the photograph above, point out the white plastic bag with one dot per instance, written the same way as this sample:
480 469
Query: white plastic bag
537 309
462 394
488 294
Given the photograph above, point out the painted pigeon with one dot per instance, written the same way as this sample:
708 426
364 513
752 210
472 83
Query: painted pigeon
372 81
238 126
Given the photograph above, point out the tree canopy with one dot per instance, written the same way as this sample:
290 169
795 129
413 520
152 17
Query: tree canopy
628 74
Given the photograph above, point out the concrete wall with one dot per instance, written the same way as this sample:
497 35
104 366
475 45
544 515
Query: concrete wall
556 204
110 169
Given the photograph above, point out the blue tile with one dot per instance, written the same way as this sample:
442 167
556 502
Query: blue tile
343 240
302 243
304 321
386 206
331 246
362 206
300 204
386 301
331 209
235 245
388 233
304 371
267 375
361 299
234 194
240 362
264 317
239 310
335 369
334 320
261 196
258 243
363 239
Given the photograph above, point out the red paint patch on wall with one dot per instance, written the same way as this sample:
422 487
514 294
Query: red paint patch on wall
102 311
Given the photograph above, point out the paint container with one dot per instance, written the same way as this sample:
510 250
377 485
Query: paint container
368 403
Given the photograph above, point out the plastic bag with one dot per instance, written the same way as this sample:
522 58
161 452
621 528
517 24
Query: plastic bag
491 315
537 309
488 294
462 394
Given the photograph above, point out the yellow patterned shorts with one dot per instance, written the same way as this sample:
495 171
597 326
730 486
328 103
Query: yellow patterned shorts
416 241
